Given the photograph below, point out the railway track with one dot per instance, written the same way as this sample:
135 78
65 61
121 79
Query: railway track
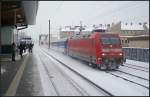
73 83
140 68
133 75
107 93
50 77
130 78
132 81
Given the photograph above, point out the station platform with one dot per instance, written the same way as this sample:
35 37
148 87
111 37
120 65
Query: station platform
20 77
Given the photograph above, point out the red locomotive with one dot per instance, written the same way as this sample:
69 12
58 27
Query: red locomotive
103 50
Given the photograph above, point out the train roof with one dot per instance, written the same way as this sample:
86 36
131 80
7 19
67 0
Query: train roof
132 27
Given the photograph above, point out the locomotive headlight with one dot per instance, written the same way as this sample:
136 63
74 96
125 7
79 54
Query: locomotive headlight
120 54
99 58
103 54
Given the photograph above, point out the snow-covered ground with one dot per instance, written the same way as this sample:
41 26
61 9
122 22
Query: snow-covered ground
141 74
138 63
46 85
122 68
57 72
139 81
114 85
87 87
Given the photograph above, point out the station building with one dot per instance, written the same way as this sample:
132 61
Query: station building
132 35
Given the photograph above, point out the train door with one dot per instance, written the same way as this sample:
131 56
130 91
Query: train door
92 53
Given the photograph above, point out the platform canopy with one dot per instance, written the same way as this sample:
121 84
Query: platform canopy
18 13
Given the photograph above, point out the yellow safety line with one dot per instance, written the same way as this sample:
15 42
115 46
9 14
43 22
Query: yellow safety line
14 84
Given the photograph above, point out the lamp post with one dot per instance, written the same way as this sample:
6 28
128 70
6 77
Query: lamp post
49 36
80 27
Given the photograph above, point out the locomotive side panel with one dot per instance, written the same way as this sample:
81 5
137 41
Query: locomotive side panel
83 49
98 49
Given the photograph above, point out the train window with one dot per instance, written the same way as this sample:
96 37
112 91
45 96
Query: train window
110 40
115 41
105 41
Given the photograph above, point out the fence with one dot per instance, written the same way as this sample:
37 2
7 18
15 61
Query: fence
138 54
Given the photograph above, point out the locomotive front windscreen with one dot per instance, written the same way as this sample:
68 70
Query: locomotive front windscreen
110 40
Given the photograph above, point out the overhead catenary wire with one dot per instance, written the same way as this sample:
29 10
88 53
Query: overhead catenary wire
58 8
108 14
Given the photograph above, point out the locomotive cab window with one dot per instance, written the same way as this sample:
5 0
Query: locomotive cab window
110 40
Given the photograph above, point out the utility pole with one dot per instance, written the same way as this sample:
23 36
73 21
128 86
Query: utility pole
40 35
59 33
39 38
49 36
17 37
80 27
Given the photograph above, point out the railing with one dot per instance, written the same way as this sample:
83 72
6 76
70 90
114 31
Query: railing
138 54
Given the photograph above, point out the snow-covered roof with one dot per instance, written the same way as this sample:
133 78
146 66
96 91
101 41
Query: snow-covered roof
90 28
76 30
136 36
66 29
102 27
132 27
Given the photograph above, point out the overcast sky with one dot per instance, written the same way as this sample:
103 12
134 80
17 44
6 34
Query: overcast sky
64 13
